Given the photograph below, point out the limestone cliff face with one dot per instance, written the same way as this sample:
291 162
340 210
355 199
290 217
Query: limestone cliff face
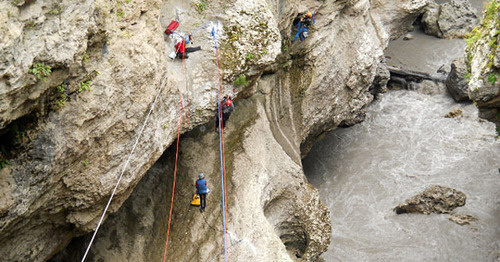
64 162
483 63
67 137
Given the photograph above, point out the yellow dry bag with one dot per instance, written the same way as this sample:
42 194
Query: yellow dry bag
196 200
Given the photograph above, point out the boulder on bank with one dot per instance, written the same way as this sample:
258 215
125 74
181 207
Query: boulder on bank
453 19
436 199
456 82
430 20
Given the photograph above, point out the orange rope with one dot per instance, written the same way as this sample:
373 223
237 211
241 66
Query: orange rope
181 107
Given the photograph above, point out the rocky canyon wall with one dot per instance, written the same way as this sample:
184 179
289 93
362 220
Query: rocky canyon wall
67 134
482 59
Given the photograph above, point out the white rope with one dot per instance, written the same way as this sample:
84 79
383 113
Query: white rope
124 168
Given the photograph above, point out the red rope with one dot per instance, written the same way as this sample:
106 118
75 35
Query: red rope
177 156
181 107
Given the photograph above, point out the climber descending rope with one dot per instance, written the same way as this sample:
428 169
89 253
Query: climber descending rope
221 144
160 88
181 52
182 40
171 30
222 152
304 23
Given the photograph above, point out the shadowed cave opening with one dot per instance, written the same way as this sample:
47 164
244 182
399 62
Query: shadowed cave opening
287 226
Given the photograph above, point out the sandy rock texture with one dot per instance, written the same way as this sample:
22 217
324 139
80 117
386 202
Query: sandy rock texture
436 199
69 132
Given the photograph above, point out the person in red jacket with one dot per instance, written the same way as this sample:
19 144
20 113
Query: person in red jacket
227 108
181 50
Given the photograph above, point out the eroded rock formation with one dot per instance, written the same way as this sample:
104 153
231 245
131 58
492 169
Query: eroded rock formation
107 61
482 57
436 199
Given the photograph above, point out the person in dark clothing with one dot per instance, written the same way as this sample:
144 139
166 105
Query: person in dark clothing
202 190
227 108
305 22
181 50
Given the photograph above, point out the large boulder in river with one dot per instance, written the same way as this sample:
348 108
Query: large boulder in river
453 19
456 82
436 199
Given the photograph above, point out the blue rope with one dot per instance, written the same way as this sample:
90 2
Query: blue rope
220 146
201 27
194 32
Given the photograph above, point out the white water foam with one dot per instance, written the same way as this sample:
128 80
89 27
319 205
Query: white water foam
404 146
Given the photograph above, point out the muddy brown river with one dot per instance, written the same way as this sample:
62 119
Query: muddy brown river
404 146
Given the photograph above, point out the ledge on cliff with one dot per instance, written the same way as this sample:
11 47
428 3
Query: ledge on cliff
57 188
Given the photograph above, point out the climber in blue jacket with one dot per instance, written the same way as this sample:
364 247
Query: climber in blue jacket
305 22
202 190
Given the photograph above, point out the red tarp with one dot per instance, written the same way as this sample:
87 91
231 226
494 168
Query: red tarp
171 27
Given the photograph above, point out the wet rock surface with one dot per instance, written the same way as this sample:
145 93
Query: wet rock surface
416 81
457 81
436 199
454 113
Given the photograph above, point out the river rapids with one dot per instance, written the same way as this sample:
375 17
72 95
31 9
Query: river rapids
404 146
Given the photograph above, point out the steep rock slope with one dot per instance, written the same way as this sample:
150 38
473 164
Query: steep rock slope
63 168
483 63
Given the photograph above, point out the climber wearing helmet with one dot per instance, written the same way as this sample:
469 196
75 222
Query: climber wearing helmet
202 190
227 108
305 21
180 48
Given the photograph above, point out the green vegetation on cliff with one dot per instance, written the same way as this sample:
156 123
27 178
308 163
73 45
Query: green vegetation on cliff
40 70
487 32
